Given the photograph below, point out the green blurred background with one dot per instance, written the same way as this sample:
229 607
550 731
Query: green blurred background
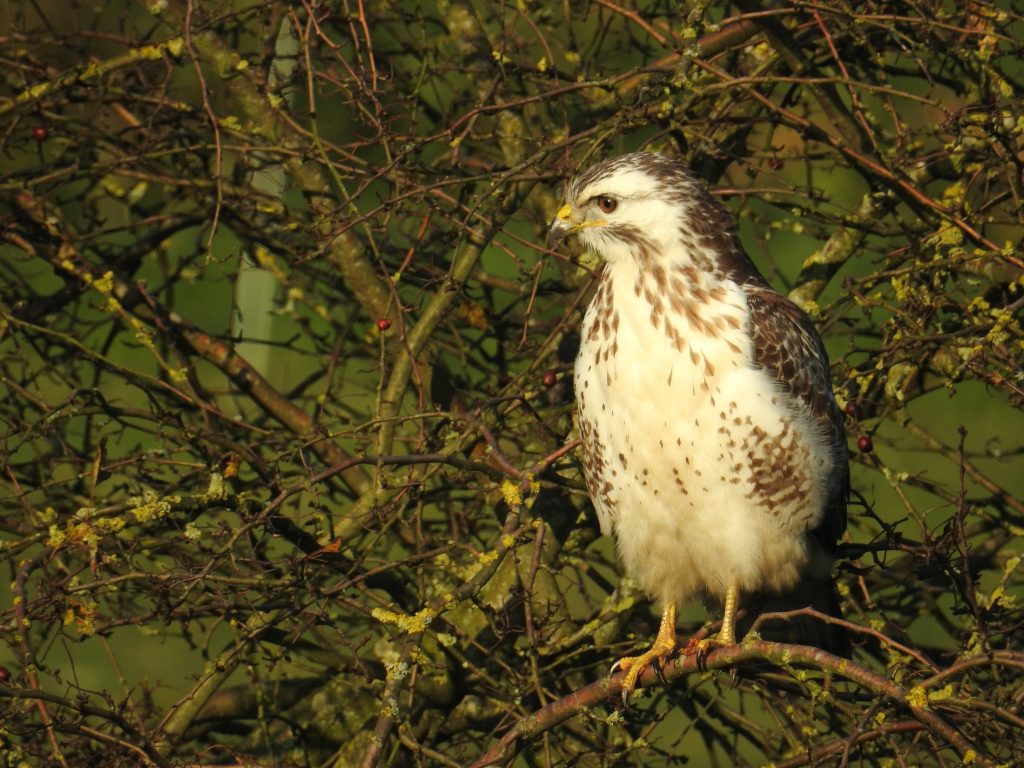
277 320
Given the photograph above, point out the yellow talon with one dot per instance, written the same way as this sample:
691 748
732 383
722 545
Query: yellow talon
726 635
665 644
662 650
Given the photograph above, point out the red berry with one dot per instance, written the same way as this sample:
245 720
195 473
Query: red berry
864 444
775 163
549 379
40 133
851 409
5 674
383 324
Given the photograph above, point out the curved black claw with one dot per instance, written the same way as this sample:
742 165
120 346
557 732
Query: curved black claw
634 666
659 669
701 649
701 655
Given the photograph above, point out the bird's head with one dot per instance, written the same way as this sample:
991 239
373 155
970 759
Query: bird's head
632 204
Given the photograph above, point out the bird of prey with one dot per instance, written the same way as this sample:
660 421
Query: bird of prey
713 448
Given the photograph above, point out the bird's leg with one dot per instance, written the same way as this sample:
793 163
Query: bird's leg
659 653
726 635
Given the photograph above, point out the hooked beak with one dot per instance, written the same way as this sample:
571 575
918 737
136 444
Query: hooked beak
561 227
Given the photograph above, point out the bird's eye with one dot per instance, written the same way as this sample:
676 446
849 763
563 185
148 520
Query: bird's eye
607 204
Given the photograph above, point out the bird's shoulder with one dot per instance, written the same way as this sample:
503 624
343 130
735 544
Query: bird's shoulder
787 345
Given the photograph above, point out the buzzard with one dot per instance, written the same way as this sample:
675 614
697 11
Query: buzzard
713 448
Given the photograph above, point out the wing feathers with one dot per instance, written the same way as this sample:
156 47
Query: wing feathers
787 345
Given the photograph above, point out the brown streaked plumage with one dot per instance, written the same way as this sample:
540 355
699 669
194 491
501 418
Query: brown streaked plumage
712 446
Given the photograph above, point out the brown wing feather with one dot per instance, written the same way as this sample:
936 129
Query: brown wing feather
787 344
